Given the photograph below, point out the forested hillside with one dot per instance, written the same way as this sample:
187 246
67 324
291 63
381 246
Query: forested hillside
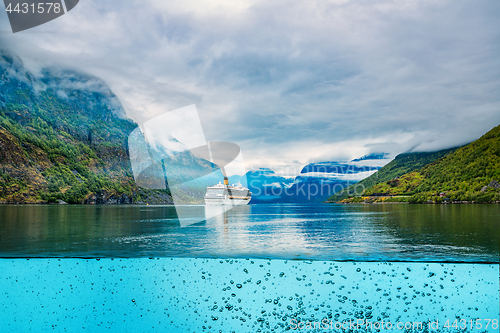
63 136
469 174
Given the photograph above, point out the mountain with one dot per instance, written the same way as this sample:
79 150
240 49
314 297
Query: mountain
63 137
469 173
189 176
402 164
373 156
315 182
318 181
265 185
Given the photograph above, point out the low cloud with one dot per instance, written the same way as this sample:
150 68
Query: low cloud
291 82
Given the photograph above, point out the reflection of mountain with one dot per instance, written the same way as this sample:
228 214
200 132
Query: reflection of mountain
458 229
315 183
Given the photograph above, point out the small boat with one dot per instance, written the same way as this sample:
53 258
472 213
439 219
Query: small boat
228 195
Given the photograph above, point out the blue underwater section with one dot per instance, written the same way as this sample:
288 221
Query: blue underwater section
245 295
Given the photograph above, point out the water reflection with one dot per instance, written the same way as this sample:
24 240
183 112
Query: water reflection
355 232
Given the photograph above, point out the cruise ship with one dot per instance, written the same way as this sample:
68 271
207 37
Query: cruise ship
229 195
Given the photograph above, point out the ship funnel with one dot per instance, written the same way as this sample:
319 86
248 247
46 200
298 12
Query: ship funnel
226 180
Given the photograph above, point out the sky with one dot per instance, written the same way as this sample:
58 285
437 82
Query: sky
291 82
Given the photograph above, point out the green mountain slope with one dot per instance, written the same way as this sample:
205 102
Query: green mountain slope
471 173
63 136
402 164
464 174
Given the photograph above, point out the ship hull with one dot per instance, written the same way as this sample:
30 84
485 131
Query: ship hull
226 202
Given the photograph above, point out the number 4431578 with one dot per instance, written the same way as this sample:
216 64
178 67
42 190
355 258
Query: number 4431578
473 323
41 8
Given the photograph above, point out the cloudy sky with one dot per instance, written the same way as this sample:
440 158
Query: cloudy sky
290 81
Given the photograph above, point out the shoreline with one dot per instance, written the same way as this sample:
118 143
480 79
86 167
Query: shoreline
415 203
83 203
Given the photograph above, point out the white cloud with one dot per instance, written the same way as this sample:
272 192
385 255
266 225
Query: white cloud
291 82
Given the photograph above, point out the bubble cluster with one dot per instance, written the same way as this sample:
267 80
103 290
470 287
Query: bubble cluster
236 295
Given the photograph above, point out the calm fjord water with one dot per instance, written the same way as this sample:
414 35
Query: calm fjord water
461 233
356 268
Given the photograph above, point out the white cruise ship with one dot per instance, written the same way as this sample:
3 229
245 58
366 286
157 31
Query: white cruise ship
228 195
